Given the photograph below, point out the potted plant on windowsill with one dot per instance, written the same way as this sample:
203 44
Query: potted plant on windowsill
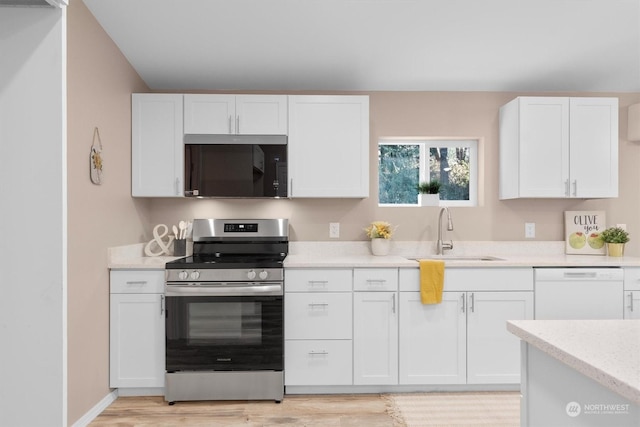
429 193
615 238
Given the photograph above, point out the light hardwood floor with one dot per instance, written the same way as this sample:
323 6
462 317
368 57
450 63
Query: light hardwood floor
370 410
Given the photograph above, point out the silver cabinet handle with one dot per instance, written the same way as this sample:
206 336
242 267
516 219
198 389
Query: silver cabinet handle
631 301
237 124
161 305
177 186
575 187
376 281
318 304
137 282
230 129
318 282
464 302
472 305
566 188
393 303
318 353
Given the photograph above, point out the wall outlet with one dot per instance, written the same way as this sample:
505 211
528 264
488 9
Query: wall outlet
334 230
530 230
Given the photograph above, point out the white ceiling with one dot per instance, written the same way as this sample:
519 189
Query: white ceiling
370 45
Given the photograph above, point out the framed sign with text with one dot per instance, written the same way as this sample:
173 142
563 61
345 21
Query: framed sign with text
582 232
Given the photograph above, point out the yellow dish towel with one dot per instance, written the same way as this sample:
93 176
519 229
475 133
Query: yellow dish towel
431 281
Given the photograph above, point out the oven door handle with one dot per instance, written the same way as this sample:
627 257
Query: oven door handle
244 289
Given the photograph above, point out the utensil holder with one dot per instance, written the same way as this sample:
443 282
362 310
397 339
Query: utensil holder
180 247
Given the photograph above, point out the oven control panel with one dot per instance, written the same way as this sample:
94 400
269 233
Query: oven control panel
224 275
241 228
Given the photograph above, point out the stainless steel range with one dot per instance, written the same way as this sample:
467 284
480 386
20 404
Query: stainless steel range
224 304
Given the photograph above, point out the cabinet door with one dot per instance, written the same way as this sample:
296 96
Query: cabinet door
137 351
157 147
433 339
632 305
493 354
261 114
594 147
329 146
375 338
209 114
544 147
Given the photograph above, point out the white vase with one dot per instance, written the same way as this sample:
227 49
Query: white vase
380 246
429 199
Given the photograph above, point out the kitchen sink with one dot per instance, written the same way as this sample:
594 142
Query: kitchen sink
459 258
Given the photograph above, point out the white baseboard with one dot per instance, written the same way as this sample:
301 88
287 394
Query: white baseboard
97 409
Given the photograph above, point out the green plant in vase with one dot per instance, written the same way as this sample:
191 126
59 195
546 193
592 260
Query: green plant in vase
615 239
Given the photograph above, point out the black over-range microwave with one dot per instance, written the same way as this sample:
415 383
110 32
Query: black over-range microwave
235 166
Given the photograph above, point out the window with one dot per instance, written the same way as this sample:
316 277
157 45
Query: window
403 163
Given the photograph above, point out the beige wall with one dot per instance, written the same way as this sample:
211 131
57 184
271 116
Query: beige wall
100 83
463 114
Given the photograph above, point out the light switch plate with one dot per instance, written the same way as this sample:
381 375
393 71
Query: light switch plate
334 230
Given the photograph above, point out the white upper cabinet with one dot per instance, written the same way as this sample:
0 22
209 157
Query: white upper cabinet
559 147
329 146
157 148
212 114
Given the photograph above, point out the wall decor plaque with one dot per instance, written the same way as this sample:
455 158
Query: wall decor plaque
582 232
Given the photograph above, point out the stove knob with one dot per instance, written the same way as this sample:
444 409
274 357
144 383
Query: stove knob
195 275
183 275
263 274
251 275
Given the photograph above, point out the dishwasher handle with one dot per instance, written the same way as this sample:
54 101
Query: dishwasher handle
579 273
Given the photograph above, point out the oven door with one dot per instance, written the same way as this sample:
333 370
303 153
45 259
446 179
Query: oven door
224 333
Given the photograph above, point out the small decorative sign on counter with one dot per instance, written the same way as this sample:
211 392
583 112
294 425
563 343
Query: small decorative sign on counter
582 232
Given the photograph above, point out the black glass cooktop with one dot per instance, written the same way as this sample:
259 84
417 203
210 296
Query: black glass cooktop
240 261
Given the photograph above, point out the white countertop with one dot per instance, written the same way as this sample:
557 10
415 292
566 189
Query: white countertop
357 254
607 351
327 261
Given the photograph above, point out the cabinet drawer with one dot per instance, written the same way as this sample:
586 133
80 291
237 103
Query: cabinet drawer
137 281
315 315
632 279
319 280
375 279
318 362
474 279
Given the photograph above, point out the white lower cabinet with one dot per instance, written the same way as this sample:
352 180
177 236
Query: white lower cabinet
137 329
375 326
318 327
493 355
433 345
367 328
632 305
375 338
464 339
631 293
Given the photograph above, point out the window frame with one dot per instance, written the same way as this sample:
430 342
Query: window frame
424 144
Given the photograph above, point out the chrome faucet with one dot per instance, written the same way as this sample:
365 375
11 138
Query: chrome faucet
440 245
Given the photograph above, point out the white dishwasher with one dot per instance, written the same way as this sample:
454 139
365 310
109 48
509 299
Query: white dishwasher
578 293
